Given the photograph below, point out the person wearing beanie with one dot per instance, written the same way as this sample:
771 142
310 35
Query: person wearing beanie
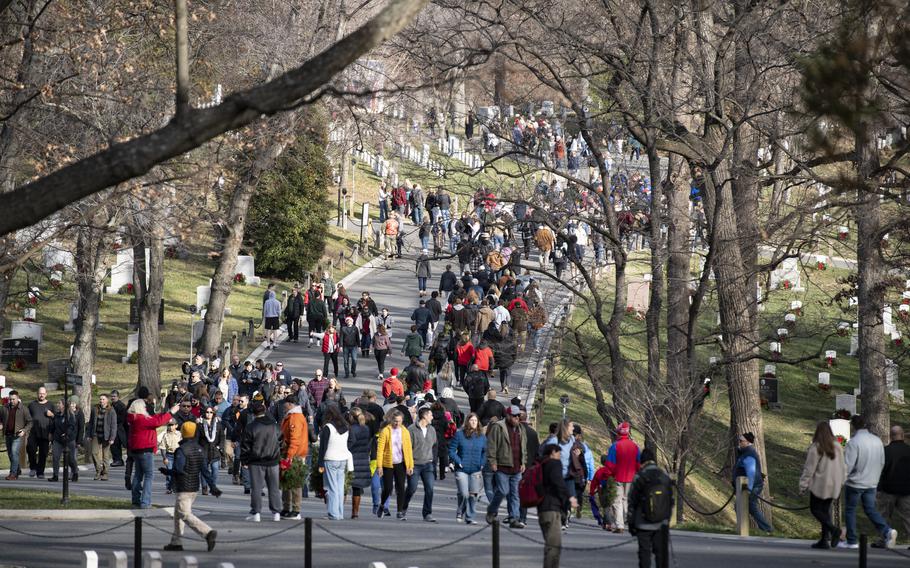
391 385
625 458
650 507
186 471
748 465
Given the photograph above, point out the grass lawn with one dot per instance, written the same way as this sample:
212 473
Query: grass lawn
35 499
788 431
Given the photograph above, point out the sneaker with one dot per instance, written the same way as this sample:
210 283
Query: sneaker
459 519
470 522
429 519
822 545
254 518
891 538
847 545
216 492
386 513
32 473
380 513
285 513
276 517
210 540
246 491
52 479
41 476
236 480
117 464
294 517
401 516
517 525
490 518
173 547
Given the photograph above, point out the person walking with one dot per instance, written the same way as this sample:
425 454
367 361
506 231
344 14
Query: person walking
317 312
168 442
120 442
423 444
395 460
17 422
468 453
211 438
142 443
382 345
464 356
506 447
101 433
748 465
271 310
187 472
334 459
650 507
422 269
292 313
350 344
625 458
67 429
556 500
413 343
331 346
259 454
893 496
824 474
390 229
865 457
359 444
38 441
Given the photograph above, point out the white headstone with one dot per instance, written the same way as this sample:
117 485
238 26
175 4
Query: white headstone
89 559
790 318
638 295
117 559
887 324
121 271
783 332
30 314
54 255
770 370
840 426
824 378
203 293
789 270
198 327
26 330
246 265
830 354
151 559
854 301
774 347
854 345
132 345
796 305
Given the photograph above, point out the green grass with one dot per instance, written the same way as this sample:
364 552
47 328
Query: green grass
788 431
37 499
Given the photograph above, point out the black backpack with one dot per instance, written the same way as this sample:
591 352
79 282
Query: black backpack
656 496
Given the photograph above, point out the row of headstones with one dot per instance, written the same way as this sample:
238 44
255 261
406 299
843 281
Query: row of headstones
454 148
150 559
122 270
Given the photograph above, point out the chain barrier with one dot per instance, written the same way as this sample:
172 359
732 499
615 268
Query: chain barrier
572 548
235 541
65 536
898 552
399 550
722 507
784 507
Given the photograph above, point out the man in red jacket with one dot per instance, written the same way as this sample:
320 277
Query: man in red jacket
142 444
625 459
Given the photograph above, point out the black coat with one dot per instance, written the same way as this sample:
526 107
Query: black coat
555 494
447 281
359 439
211 450
294 309
259 443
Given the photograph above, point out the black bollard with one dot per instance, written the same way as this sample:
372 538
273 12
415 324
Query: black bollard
308 543
495 544
863 551
137 542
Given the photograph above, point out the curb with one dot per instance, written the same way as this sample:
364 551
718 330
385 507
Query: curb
84 514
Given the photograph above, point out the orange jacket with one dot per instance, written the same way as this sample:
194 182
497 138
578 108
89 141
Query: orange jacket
391 385
294 430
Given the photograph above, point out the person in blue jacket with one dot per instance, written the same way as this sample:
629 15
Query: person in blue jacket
468 453
748 465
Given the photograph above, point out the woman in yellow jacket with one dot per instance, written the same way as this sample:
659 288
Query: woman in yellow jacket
395 460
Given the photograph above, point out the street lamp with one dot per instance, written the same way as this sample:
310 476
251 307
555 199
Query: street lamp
192 321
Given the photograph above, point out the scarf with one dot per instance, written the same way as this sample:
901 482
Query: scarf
210 429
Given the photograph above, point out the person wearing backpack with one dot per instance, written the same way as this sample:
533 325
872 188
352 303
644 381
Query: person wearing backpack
650 508
554 500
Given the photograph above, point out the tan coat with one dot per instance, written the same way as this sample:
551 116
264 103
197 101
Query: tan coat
485 317
545 239
822 476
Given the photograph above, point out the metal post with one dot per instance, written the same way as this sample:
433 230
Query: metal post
495 544
742 506
863 550
137 540
308 543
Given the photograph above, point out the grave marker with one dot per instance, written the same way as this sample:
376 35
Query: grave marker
787 271
845 402
769 390
25 349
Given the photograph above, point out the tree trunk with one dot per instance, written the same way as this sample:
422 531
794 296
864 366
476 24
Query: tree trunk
149 302
6 283
236 226
655 304
93 258
871 280
499 81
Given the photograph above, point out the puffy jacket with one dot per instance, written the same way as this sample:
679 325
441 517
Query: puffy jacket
259 443
143 431
468 454
625 456
335 346
384 448
188 461
295 433
359 442
67 427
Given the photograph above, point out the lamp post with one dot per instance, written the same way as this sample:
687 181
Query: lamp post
192 322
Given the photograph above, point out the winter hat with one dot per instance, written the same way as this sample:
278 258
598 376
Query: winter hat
394 371
513 410
624 429
188 429
447 392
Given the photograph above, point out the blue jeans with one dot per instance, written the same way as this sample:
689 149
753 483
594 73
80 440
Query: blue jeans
333 478
383 210
425 242
143 475
169 479
424 471
210 473
13 443
422 283
755 511
376 492
489 484
852 497
506 487
469 486
350 360
417 215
